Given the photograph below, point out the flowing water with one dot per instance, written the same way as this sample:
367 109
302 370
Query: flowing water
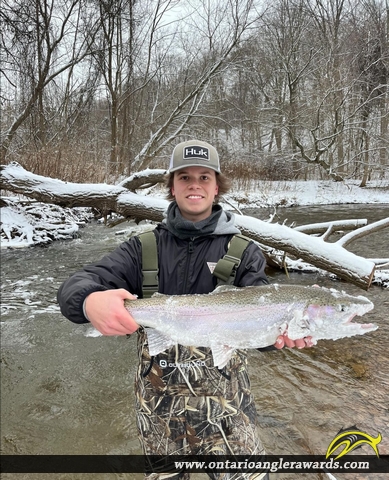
65 391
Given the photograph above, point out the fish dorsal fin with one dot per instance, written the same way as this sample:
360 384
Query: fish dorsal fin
158 342
221 354
223 288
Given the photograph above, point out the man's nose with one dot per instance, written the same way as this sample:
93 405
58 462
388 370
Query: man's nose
194 183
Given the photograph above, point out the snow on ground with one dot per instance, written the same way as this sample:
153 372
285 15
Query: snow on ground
27 223
311 192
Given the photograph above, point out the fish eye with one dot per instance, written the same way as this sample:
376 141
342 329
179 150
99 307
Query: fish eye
342 308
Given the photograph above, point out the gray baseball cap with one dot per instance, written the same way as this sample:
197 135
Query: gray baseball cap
194 153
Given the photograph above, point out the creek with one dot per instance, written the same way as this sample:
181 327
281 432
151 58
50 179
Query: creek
66 391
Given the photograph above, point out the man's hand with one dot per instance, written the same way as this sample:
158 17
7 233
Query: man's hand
106 312
284 341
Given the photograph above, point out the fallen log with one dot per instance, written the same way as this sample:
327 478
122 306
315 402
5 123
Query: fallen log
362 232
334 226
327 256
116 198
145 179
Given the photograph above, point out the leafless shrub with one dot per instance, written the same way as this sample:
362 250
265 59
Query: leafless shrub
66 165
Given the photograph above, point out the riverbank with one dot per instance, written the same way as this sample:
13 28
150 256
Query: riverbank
27 223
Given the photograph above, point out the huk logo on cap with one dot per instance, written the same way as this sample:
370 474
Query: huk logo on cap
196 152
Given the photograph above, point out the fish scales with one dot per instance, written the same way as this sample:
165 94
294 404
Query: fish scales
252 317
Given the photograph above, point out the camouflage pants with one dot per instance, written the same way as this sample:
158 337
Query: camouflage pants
186 406
201 426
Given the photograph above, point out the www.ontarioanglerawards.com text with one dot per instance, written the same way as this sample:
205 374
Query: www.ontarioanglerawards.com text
280 465
365 464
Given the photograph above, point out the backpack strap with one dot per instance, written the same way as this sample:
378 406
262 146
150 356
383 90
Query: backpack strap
226 267
149 263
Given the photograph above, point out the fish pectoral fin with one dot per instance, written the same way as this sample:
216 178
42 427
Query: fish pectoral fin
221 354
158 342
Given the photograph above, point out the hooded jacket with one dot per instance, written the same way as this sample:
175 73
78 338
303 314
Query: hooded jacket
187 254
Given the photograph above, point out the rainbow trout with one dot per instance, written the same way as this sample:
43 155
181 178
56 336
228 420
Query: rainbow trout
252 317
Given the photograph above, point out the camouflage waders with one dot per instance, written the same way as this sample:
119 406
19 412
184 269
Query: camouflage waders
185 405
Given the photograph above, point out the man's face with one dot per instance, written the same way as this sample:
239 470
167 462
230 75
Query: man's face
194 189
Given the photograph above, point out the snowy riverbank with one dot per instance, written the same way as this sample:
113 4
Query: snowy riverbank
30 223
300 193
27 223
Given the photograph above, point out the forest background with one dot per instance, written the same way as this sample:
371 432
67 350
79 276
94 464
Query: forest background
92 90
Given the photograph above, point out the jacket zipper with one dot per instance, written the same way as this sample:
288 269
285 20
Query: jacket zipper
190 251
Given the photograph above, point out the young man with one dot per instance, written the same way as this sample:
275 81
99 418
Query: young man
184 404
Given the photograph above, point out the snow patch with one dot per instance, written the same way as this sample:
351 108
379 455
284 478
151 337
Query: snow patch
24 224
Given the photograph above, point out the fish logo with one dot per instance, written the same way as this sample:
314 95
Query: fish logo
352 438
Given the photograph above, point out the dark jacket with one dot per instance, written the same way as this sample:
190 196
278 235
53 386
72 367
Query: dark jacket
184 268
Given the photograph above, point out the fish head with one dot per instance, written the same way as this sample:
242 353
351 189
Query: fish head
329 314
342 306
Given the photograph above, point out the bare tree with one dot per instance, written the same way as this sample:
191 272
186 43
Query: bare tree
36 51
219 30
369 25
324 71
114 50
